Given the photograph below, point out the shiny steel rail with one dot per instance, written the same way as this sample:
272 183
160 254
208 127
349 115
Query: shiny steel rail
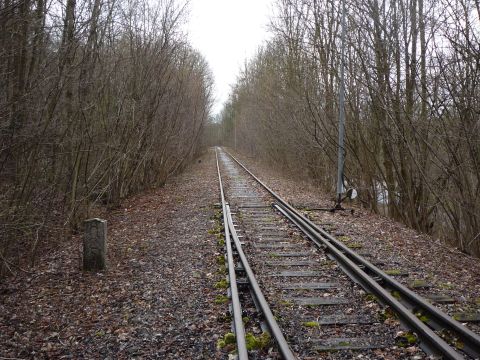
275 331
381 284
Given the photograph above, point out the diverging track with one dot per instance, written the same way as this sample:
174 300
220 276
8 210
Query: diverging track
314 295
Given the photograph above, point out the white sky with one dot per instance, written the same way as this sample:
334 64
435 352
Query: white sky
227 32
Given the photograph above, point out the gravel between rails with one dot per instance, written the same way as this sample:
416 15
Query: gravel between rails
157 299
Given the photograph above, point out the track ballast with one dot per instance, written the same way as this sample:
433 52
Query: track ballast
301 277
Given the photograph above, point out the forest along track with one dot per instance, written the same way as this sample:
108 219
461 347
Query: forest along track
303 273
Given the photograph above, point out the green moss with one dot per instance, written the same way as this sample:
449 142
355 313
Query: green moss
354 245
418 283
370 297
245 319
387 314
100 333
221 242
221 260
446 286
221 299
286 303
344 343
218 230
214 231
396 294
422 317
222 284
406 339
393 272
257 342
273 255
344 238
311 324
228 339
218 216
222 270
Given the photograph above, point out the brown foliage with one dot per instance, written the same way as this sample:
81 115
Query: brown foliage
99 100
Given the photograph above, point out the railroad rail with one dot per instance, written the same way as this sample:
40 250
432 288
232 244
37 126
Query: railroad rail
405 302
231 234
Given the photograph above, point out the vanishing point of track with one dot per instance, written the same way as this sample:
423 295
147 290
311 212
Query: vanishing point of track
306 274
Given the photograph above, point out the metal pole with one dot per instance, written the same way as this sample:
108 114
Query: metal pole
341 113
235 133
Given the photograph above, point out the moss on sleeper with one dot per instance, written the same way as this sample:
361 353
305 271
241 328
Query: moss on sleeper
286 302
311 324
393 272
418 283
446 286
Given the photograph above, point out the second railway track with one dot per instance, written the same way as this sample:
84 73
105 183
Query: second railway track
316 297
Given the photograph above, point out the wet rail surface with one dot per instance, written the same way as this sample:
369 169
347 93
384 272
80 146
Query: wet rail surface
321 311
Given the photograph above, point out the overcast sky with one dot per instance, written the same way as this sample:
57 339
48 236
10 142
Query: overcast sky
227 32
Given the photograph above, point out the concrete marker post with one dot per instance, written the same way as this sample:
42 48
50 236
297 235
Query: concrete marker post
95 245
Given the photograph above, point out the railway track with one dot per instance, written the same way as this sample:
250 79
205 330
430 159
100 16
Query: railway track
315 296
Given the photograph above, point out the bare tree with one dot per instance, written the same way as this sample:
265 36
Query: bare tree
100 99
412 106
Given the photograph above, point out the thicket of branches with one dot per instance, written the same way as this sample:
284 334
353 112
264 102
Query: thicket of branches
98 99
412 106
